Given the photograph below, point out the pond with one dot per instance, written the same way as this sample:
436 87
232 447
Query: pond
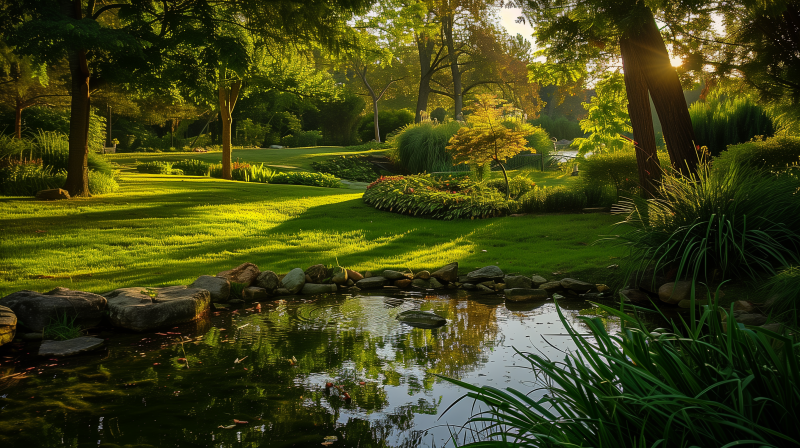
267 370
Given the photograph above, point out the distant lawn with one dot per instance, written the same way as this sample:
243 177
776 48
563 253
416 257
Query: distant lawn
287 159
161 230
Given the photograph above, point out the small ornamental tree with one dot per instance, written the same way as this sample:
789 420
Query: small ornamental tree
485 139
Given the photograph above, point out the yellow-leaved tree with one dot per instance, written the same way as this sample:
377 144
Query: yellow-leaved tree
486 138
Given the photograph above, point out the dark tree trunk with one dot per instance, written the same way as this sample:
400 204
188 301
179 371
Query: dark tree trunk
425 46
665 88
227 101
641 118
458 98
77 183
18 119
377 128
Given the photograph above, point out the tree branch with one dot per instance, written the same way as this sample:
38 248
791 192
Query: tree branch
106 8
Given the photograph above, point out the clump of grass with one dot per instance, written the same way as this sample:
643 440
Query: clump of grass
62 328
236 290
420 148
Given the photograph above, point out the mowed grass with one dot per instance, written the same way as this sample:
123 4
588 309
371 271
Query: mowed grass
166 230
286 159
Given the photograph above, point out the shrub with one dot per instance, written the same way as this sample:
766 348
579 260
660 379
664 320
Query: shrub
519 185
29 179
192 167
560 127
154 167
302 139
303 178
244 172
420 148
739 221
772 154
552 199
618 168
428 196
388 120
719 122
716 383
100 183
784 291
353 168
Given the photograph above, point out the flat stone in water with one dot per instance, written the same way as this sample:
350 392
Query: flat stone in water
421 319
70 346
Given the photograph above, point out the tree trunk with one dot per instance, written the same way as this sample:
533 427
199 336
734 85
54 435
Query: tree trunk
665 88
77 183
227 101
641 118
425 47
458 99
377 128
18 120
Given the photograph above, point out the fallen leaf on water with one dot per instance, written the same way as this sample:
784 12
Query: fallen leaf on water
240 422
331 438
239 360
162 334
226 427
327 443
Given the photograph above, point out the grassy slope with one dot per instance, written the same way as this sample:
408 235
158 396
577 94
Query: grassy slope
162 230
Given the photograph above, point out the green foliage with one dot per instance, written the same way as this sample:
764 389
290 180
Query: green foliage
617 168
722 121
421 147
607 117
783 290
52 148
352 168
302 139
538 139
559 127
237 289
155 167
62 328
337 118
740 221
28 179
389 121
100 183
244 172
438 198
716 383
772 154
566 199
311 179
192 167
41 119
518 185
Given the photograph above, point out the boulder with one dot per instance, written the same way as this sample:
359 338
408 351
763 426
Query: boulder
318 273
550 286
308 279
435 284
468 286
368 274
447 274
353 275
538 280
674 292
268 280
340 276
254 294
602 288
282 292
421 283
483 289
751 319
743 306
775 327
633 296
245 273
394 275
8 325
500 287
424 275
133 309
486 273
489 284
525 294
372 282
70 346
402 284
294 281
54 194
350 282
36 310
310 289
219 288
421 319
517 281
572 284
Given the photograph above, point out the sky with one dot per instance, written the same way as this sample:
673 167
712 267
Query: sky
507 18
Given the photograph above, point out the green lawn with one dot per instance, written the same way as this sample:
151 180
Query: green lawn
161 230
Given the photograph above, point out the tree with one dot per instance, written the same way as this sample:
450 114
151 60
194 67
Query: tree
607 117
487 139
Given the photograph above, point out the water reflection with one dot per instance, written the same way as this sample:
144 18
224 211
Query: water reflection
269 369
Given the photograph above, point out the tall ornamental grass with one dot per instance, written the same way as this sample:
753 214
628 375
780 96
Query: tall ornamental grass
420 147
709 383
772 154
720 121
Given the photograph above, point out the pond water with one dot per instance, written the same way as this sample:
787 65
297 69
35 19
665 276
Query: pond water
269 368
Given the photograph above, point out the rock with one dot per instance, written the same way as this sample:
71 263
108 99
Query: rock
743 306
538 280
372 282
688 303
485 289
317 273
353 289
236 302
674 292
500 287
602 288
468 286
367 274
421 319
268 280
54 194
593 296
517 281
489 284
394 275
648 280
219 288
633 296
36 310
8 325
486 272
245 273
132 309
435 284
70 346
353 275
576 285
402 284
557 296
254 294
424 275
447 274
525 294
462 279
294 281
550 286
421 283
282 292
751 319
340 276
350 282
310 289
775 327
